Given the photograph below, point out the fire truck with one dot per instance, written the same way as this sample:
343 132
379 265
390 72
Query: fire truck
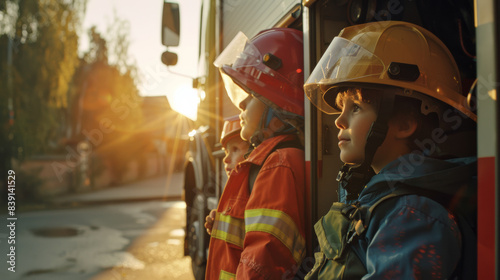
470 29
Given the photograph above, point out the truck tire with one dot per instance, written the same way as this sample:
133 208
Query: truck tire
196 237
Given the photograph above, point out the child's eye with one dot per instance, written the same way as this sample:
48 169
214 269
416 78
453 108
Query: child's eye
355 107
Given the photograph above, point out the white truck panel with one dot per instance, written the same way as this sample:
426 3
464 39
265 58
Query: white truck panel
250 17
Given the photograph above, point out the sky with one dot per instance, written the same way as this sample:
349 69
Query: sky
146 47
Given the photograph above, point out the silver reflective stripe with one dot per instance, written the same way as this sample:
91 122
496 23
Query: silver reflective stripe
229 229
280 225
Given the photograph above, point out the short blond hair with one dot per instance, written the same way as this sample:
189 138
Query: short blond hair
356 94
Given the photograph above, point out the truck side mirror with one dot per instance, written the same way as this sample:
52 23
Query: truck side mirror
169 58
170 27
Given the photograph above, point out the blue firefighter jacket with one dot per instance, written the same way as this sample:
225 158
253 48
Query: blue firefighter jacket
413 236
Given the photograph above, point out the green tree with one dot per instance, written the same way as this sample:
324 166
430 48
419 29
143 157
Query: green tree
107 101
43 59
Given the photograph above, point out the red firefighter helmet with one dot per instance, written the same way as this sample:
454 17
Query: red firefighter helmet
232 128
269 65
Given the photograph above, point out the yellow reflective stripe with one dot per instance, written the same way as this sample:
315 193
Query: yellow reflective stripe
224 275
280 225
229 229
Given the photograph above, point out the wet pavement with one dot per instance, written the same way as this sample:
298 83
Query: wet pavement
161 256
138 235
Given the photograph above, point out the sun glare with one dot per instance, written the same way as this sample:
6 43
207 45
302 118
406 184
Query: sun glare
185 101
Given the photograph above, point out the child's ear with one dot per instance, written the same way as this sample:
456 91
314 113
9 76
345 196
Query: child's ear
405 127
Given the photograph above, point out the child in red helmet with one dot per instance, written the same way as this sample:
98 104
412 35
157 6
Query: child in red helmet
235 148
260 226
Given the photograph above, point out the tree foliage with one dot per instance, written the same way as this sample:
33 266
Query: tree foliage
43 60
53 96
107 101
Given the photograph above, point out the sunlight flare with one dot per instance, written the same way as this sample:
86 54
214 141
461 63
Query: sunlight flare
185 100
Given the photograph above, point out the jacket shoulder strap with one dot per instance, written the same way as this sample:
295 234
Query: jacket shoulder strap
255 169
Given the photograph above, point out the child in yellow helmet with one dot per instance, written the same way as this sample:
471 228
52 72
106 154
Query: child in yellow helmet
398 94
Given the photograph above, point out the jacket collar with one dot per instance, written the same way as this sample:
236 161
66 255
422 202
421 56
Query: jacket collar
443 176
261 152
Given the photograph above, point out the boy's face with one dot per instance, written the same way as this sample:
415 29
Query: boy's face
354 123
235 149
251 113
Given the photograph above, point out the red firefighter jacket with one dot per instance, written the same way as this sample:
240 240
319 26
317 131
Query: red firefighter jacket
261 235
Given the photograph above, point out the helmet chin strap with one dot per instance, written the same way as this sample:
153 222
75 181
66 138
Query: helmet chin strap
353 178
259 134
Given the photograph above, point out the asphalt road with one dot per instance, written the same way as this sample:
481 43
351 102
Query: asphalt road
122 239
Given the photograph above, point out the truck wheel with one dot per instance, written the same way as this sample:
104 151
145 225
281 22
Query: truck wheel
195 236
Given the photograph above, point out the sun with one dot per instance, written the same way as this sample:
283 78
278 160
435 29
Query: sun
185 100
